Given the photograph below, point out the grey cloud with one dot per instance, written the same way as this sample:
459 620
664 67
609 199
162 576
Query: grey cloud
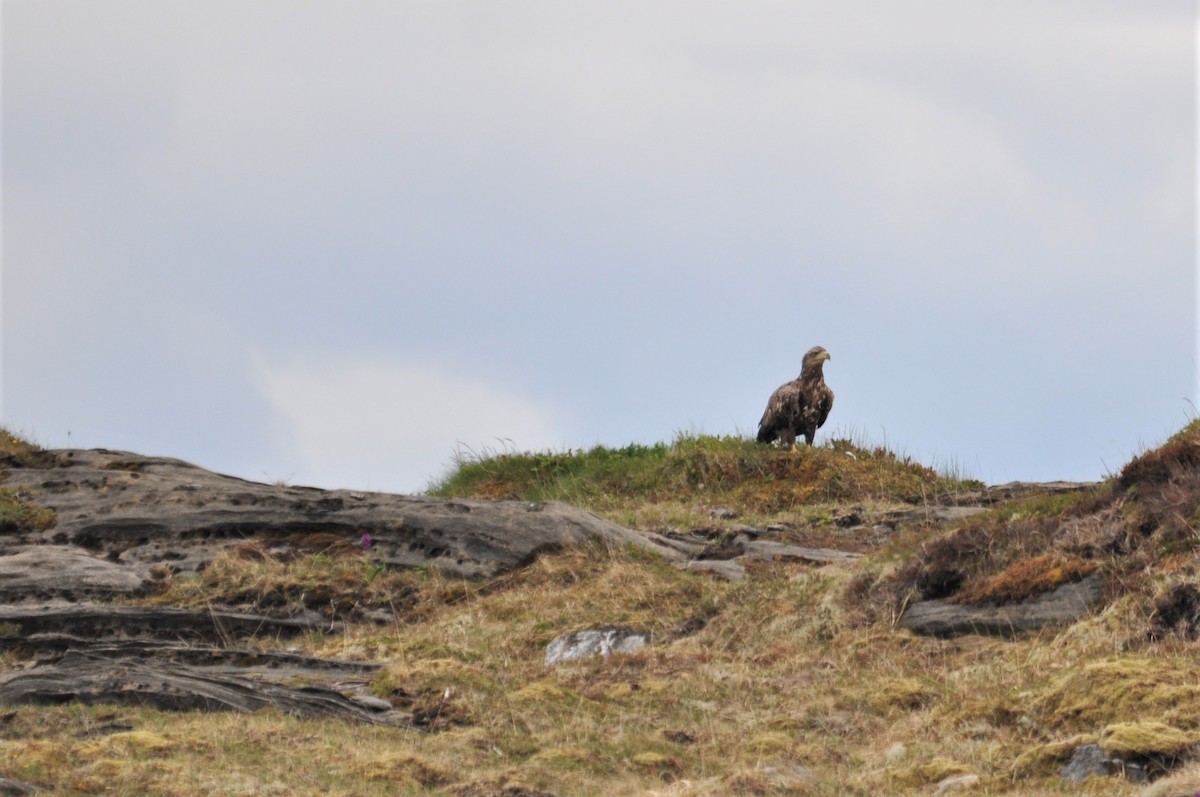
639 213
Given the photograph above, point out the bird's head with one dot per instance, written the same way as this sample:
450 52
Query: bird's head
815 355
814 358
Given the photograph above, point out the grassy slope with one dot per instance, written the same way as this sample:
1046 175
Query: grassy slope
677 484
795 683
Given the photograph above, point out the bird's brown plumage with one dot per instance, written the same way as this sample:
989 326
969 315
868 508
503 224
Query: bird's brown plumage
799 407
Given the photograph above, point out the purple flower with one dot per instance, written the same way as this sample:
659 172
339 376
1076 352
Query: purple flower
366 542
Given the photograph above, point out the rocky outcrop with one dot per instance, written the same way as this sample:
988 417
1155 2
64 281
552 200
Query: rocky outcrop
1064 605
67 625
87 677
64 571
139 511
124 522
725 556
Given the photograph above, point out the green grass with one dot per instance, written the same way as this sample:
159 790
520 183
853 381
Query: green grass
673 484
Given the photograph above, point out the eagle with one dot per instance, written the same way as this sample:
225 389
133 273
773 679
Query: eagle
800 406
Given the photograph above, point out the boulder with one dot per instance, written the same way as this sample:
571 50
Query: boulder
1064 605
957 783
1087 761
595 642
15 788
770 551
727 569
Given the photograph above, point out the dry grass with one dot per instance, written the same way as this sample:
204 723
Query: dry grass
777 692
17 452
793 682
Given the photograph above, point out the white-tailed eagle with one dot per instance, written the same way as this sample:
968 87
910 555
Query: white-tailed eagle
798 407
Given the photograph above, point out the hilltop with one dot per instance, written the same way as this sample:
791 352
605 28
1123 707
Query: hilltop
775 592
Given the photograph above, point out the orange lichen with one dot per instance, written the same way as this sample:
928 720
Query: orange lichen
1026 578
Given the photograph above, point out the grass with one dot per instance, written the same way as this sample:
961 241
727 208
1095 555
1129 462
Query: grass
19 513
795 681
778 692
16 451
678 484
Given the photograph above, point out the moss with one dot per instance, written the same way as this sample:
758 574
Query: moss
138 742
405 767
932 771
1121 689
1045 759
564 757
905 694
663 766
1146 740
770 744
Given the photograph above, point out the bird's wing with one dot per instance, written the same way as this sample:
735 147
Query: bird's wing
781 407
824 405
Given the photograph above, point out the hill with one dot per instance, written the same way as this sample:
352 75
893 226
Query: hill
793 674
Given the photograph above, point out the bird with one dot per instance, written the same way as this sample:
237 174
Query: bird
799 406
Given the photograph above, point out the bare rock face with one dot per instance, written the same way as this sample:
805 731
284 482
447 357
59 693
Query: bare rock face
1064 605
89 678
124 520
54 571
137 510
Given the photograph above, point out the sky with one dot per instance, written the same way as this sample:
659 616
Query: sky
341 243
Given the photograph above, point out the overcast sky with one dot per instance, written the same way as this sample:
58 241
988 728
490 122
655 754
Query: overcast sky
331 242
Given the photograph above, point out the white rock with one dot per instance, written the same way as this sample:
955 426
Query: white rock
595 642
956 783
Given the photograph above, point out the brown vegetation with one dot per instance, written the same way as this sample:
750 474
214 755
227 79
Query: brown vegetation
794 681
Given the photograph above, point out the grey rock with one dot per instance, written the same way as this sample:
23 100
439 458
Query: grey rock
957 783
80 677
1064 605
1133 771
728 569
15 788
787 776
686 547
595 642
35 628
141 510
48 571
372 703
1088 760
934 514
772 551
723 513
208 658
178 660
